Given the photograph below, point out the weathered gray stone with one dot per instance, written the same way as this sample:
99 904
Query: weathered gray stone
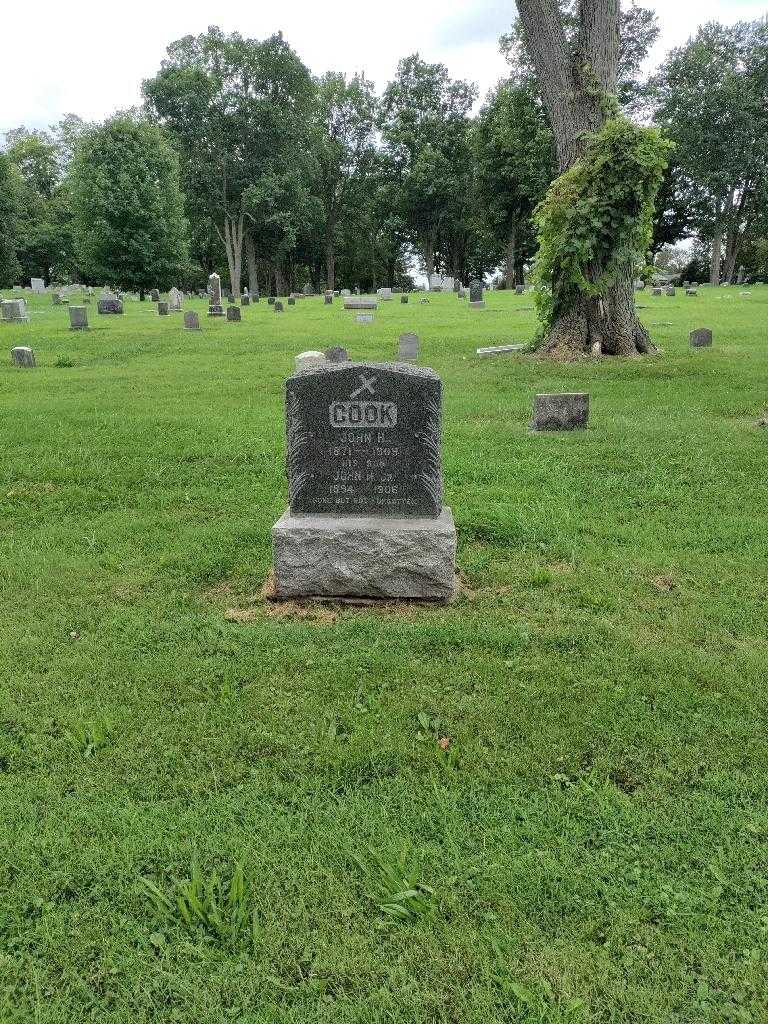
345 293
329 299
106 306
385 294
354 303
14 310
408 347
233 314
23 356
37 284
191 321
475 291
162 308
701 338
365 556
657 291
306 359
364 318
278 306
336 354
175 299
560 412
691 291
56 298
215 307
245 300
291 300
519 289
500 350
78 318
670 292
155 295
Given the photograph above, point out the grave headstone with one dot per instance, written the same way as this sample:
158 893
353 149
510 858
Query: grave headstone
271 300
336 354
291 300
500 350
191 321
476 294
364 464
560 412
56 298
329 299
155 295
245 300
519 289
657 291
306 359
691 291
701 338
14 311
175 299
461 293
215 307
364 318
162 308
23 356
106 306
345 292
356 303
669 292
233 314
278 306
403 300
385 294
38 285
307 289
408 348
78 318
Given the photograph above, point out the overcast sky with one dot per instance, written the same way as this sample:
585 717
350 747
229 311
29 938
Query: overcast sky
87 57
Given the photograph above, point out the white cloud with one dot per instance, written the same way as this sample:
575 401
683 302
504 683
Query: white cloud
89 58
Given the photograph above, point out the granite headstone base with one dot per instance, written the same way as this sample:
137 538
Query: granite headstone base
365 556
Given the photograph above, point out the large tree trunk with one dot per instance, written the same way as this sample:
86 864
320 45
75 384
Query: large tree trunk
509 268
330 263
233 246
717 257
429 258
278 280
575 81
253 268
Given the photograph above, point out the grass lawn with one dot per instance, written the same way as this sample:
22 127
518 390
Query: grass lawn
213 809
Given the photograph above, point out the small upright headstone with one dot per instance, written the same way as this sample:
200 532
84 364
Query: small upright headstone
14 310
291 300
109 306
56 298
233 314
560 412
669 291
476 294
23 356
336 354
691 291
365 483
245 300
306 359
191 321
657 291
456 284
271 300
345 293
215 307
162 308
78 318
701 338
155 295
37 284
519 289
175 299
385 294
307 289
408 348
461 293
329 298
403 300
278 306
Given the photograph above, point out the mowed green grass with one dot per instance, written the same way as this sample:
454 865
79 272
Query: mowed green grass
592 846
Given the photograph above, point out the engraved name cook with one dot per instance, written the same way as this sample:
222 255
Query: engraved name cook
364 439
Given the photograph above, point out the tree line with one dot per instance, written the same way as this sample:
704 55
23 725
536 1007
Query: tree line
241 161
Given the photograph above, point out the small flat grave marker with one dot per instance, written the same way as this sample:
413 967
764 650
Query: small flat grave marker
560 412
